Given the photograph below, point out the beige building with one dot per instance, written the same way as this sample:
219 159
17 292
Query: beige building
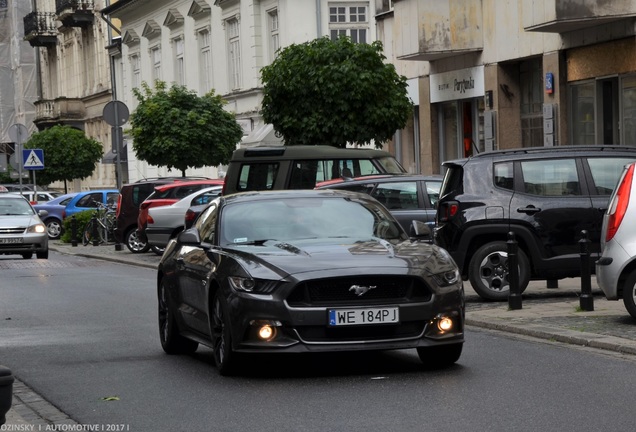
71 42
498 74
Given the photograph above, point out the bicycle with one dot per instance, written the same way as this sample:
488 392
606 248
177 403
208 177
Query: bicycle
100 228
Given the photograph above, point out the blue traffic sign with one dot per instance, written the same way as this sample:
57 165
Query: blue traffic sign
33 159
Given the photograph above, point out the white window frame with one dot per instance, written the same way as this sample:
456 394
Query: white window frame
178 46
155 61
135 70
232 26
204 39
274 34
349 19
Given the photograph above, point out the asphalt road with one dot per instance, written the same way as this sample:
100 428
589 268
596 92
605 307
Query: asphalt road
80 332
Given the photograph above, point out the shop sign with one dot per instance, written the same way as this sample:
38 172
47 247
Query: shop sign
458 84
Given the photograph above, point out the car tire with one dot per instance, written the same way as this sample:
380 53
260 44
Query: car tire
488 271
437 357
171 340
53 228
27 255
134 243
629 294
157 250
224 356
42 254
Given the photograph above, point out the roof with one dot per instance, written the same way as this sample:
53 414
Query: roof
307 151
291 193
211 182
378 178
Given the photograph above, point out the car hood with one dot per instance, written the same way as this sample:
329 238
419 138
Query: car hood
290 258
13 221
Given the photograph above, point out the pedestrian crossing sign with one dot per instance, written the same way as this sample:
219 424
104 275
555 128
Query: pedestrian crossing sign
33 159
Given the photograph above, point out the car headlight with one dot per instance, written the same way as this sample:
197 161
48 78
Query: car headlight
240 283
37 228
447 278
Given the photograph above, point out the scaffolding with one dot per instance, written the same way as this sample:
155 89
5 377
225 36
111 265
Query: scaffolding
18 75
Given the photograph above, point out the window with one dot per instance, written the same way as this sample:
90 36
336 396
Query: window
550 177
274 42
135 71
606 172
155 58
504 175
234 52
628 99
349 20
179 66
531 81
397 196
257 177
205 62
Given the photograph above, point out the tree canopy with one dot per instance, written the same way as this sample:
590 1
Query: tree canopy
178 129
334 93
68 154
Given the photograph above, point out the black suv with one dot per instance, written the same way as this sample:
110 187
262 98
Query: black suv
130 198
407 196
546 196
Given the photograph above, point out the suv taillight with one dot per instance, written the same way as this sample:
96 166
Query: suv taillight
118 205
619 204
447 211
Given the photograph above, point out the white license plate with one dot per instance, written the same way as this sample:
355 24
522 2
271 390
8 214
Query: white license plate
345 317
12 240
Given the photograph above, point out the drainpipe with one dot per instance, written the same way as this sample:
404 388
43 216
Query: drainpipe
318 19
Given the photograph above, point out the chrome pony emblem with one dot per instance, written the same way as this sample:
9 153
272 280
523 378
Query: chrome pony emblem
361 290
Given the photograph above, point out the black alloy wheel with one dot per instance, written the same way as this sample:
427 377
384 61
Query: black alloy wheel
437 357
488 271
171 341
224 357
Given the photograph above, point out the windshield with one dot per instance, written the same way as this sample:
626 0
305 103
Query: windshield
15 207
307 218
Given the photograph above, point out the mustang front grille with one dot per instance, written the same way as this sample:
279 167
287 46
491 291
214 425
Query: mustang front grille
359 290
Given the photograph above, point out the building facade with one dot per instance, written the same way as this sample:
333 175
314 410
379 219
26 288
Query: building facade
70 40
221 45
506 74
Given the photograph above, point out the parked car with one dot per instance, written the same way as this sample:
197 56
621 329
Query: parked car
130 198
616 269
546 196
36 197
169 194
22 232
165 222
88 200
302 166
408 197
307 271
55 209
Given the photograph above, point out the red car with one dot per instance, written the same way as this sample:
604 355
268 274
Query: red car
169 194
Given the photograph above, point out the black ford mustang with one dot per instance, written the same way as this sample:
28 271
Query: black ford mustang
307 271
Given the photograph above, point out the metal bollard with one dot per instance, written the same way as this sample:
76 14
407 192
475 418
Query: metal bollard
586 300
73 231
514 296
95 233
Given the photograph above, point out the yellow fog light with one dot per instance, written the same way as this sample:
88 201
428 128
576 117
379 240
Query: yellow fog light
444 324
266 332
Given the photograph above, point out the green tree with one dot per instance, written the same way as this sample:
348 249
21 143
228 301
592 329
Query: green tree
178 129
334 92
68 154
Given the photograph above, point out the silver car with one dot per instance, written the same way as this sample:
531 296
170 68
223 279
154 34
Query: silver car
616 269
165 222
21 229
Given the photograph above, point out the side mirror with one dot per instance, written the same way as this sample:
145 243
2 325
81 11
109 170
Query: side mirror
421 230
189 237
43 213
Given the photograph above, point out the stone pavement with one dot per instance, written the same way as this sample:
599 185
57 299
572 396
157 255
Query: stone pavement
553 314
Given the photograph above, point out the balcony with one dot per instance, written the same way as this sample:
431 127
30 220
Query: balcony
75 13
49 112
431 30
40 29
558 16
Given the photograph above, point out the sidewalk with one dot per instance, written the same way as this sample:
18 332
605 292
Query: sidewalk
553 314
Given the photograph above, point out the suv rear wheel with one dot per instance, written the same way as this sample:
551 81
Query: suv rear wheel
488 270
134 243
